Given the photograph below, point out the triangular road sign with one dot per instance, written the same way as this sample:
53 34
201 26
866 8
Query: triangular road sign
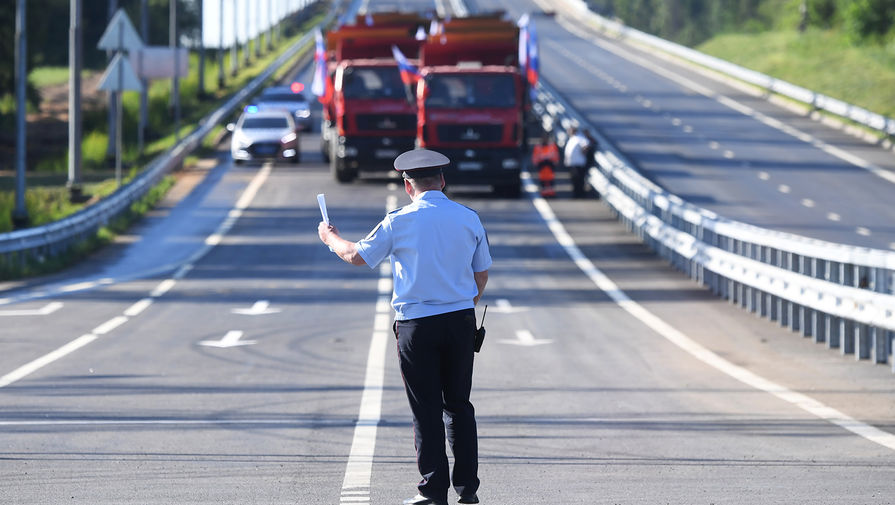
120 76
120 35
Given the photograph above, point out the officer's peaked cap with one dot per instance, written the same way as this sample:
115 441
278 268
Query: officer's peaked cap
421 163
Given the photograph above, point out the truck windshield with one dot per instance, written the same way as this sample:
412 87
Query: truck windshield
372 82
454 91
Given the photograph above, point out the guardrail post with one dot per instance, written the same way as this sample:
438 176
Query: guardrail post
862 341
847 336
880 351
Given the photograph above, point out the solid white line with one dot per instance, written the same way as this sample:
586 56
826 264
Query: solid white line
807 202
689 345
863 231
46 359
359 469
832 216
109 325
137 308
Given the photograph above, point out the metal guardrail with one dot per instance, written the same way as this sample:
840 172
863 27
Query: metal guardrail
51 239
817 100
840 295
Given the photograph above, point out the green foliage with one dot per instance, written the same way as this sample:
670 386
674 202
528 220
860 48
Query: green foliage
869 20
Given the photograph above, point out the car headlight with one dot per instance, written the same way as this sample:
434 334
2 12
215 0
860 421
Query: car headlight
288 138
302 113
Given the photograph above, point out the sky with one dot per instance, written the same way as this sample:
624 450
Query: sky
252 17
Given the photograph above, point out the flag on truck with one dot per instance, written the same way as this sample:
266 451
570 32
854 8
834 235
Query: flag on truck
528 49
409 73
319 85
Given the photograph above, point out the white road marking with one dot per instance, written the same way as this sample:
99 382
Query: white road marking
698 351
502 305
729 154
807 202
109 325
733 104
676 122
175 422
137 308
688 129
43 311
714 145
231 339
359 469
162 288
892 245
524 338
783 188
260 307
863 231
832 216
46 359
764 176
243 202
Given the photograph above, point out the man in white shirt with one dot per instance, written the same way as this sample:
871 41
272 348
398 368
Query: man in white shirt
576 161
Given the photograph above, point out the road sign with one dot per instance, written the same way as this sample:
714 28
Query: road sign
158 62
120 76
120 35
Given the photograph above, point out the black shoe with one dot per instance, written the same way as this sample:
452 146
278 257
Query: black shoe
468 499
422 500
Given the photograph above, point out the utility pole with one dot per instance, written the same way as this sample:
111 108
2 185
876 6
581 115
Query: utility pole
144 93
221 46
258 31
270 24
113 100
245 50
75 62
234 49
201 50
175 82
20 212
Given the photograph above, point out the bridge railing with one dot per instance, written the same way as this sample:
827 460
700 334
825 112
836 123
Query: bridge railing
819 101
49 240
836 294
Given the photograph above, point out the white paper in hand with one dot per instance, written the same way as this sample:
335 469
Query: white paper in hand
321 201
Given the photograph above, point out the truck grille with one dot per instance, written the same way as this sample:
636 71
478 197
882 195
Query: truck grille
387 122
469 133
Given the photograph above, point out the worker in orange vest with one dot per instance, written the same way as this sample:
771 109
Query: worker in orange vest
545 157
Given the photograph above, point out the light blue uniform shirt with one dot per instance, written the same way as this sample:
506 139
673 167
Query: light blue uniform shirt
434 245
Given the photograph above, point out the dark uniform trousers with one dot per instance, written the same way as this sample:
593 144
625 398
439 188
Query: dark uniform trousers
436 356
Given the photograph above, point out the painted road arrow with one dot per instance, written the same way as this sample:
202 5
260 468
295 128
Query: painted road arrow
260 307
231 339
503 306
45 310
526 339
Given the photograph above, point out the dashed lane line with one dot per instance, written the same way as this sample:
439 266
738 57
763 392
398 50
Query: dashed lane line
163 287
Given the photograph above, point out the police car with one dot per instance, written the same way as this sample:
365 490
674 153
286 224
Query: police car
289 98
260 135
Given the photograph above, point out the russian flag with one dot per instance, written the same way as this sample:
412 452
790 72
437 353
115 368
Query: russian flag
318 85
409 73
528 49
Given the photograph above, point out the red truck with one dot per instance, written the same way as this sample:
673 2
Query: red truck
471 102
368 118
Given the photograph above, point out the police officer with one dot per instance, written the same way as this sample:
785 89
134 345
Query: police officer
440 259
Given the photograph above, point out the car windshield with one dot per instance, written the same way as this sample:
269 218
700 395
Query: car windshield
283 97
454 91
267 123
372 82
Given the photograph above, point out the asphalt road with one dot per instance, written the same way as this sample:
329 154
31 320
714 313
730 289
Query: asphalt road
715 145
580 399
